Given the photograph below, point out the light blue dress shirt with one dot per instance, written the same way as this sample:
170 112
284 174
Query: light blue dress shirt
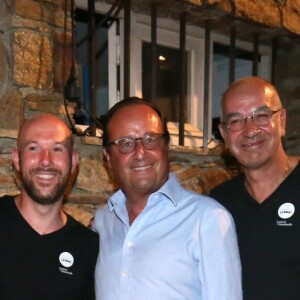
182 246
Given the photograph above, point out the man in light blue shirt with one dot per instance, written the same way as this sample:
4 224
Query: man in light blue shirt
158 241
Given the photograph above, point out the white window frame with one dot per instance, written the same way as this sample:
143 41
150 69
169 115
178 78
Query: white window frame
168 35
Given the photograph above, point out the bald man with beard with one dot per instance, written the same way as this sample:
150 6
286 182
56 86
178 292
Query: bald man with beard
44 253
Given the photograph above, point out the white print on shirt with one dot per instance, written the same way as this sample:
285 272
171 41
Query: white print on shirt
285 211
67 260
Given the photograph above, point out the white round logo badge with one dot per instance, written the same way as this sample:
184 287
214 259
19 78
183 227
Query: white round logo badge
66 259
286 210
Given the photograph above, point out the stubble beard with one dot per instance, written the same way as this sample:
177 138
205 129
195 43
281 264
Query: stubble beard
34 191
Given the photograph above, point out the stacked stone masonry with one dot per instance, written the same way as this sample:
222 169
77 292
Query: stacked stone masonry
35 57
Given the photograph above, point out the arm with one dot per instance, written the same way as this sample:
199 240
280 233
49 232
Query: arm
219 267
90 287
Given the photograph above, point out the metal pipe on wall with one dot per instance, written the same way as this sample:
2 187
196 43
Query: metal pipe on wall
274 59
153 53
255 54
127 21
206 83
183 76
92 61
232 55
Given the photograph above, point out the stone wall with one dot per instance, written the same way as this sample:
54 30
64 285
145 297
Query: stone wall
197 169
34 64
273 13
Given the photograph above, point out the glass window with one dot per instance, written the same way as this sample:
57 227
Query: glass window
109 69
168 85
101 66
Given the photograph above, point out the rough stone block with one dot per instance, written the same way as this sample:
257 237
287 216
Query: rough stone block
28 9
62 57
264 12
4 71
11 110
33 60
226 6
293 5
5 162
5 8
291 20
89 177
47 11
38 26
82 213
44 103
6 146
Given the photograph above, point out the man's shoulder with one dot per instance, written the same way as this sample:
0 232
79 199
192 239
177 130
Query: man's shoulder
8 211
229 192
6 199
6 202
228 186
81 230
199 203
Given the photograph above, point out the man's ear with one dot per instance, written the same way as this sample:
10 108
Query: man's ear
75 160
222 131
282 121
107 157
15 156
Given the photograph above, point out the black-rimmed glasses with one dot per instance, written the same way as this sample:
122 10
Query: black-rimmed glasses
260 117
150 141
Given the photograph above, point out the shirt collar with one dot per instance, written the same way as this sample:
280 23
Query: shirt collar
117 199
170 189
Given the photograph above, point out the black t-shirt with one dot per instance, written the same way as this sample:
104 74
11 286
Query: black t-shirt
55 266
268 236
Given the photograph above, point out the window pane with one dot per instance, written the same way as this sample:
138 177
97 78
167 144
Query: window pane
101 67
243 67
168 75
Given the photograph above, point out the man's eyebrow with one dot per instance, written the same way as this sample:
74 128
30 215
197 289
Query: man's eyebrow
62 143
227 116
26 143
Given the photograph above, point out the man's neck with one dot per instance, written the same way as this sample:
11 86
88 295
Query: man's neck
44 219
135 203
262 182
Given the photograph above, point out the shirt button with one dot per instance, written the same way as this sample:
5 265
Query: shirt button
124 274
129 244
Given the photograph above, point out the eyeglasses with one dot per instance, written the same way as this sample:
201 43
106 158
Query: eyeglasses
150 141
260 117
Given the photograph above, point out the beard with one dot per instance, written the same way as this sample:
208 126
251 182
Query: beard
35 192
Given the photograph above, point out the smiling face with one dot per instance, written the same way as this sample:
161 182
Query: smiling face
142 171
44 158
253 146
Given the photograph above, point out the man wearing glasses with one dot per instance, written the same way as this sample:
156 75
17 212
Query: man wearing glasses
158 240
265 199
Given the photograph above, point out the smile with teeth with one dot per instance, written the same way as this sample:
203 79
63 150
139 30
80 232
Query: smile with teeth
45 175
141 168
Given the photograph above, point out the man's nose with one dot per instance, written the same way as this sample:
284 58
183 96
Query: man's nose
46 157
139 150
250 128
